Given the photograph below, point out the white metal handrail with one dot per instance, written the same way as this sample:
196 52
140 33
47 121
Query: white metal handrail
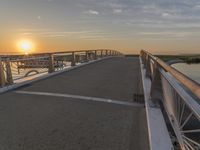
180 97
188 83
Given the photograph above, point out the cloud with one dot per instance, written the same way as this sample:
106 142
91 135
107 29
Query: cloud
76 34
38 17
197 7
26 33
117 16
117 11
166 14
115 5
170 34
92 12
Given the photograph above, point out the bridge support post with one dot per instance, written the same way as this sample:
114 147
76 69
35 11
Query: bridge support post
9 72
73 62
2 75
51 63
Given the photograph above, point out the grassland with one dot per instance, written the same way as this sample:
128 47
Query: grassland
190 59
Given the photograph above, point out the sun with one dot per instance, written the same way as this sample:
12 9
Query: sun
26 46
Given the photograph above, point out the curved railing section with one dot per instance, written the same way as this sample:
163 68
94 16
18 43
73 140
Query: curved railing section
180 97
17 68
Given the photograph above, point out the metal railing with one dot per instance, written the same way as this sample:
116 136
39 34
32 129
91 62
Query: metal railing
180 97
18 67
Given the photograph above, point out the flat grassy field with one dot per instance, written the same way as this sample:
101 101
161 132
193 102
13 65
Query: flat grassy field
186 58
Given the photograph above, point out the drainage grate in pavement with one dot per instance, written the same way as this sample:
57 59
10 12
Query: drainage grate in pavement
138 98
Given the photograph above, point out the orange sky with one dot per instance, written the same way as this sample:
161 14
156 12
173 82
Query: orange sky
131 46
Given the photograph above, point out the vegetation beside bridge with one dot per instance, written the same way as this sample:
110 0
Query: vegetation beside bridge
190 59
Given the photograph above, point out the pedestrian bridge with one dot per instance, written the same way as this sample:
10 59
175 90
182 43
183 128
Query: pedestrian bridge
104 101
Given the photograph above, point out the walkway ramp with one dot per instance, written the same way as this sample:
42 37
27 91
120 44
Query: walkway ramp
89 108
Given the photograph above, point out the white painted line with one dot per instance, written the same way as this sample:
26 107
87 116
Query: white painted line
82 98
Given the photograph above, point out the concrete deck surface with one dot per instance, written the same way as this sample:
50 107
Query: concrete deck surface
37 122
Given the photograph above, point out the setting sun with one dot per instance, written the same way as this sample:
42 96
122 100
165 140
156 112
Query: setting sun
25 46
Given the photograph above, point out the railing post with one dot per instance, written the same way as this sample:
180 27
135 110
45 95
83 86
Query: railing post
95 54
106 52
110 52
156 87
86 56
2 75
144 56
101 53
9 72
73 62
78 58
148 66
51 63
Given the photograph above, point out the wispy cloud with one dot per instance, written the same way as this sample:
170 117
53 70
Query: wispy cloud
114 5
170 34
197 7
117 11
69 34
166 14
92 12
78 34
83 17
38 17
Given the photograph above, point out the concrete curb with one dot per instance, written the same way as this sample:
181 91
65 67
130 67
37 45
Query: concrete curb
18 85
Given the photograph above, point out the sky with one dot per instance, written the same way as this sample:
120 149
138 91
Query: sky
160 26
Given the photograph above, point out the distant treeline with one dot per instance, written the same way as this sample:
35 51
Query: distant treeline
190 59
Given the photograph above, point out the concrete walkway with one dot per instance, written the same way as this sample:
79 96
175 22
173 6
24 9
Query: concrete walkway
84 109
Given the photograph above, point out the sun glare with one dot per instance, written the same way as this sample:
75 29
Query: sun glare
25 46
